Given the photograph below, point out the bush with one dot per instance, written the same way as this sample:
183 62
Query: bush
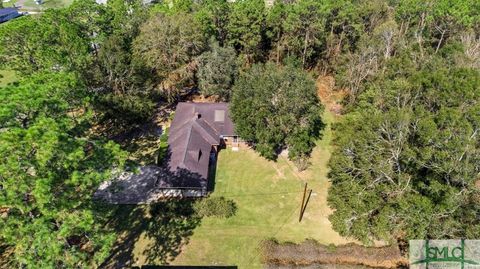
215 207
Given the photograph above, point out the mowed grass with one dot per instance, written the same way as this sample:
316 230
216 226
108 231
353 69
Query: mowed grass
268 196
6 77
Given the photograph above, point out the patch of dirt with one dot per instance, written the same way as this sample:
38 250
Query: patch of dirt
329 96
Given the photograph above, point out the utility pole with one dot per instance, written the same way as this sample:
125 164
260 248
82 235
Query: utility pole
303 201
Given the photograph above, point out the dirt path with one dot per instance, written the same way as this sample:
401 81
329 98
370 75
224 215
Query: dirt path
330 97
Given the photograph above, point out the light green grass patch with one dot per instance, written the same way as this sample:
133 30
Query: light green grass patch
6 77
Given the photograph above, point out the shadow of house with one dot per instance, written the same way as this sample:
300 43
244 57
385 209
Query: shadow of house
151 184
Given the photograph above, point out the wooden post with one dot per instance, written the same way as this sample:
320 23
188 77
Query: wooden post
302 211
303 201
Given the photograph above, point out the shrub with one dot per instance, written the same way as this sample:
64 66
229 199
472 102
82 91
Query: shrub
215 207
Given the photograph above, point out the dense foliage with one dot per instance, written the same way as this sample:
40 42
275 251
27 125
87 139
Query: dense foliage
275 107
49 170
217 70
411 169
405 162
166 43
406 159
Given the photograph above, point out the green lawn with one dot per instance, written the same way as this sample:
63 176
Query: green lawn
6 76
268 196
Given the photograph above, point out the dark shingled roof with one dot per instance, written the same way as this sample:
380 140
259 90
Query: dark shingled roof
194 130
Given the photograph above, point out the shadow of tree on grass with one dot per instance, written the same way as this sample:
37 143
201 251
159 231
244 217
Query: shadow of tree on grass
170 228
164 228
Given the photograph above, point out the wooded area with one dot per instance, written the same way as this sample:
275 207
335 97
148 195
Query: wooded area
406 162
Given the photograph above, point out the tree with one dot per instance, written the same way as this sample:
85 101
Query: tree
213 16
277 107
356 68
48 42
129 109
304 29
166 43
245 28
448 16
275 22
115 64
406 159
125 97
94 20
172 7
127 17
50 171
166 47
217 69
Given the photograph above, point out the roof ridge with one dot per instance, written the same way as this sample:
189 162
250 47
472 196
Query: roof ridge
189 135
205 131
213 127
182 126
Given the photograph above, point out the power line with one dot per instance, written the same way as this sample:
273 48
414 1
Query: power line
291 168
229 194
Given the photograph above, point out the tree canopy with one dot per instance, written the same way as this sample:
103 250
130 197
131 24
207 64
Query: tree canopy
49 172
217 69
166 45
277 107
405 163
411 169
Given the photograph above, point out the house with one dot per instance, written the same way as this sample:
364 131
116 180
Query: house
197 133
9 13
